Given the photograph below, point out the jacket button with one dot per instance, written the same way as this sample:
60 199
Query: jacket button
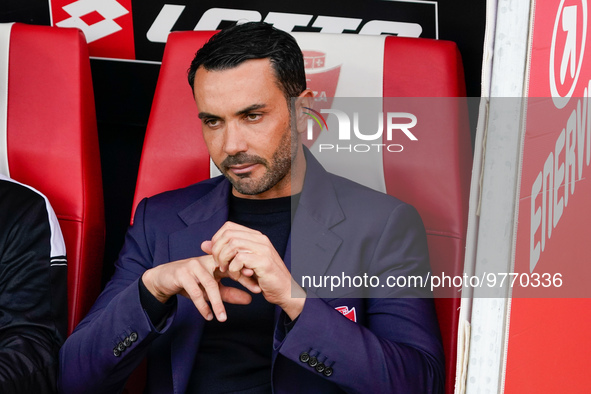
313 361
304 357
320 368
127 342
327 371
116 352
121 347
133 336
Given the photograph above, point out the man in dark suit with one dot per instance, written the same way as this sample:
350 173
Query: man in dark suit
228 246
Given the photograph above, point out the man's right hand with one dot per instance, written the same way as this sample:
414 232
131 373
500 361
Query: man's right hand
199 280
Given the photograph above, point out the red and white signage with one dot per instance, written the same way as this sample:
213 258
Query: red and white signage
548 342
117 30
554 209
107 24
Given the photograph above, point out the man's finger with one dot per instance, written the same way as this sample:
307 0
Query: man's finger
233 295
247 272
212 289
195 294
250 283
226 226
237 264
232 230
226 253
223 250
206 246
245 280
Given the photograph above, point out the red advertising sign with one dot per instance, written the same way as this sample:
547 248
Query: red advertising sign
107 24
548 343
126 29
554 208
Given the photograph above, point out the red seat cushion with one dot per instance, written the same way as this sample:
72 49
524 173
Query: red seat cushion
53 146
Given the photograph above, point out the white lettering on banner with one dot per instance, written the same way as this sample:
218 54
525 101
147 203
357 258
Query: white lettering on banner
402 29
318 96
560 166
108 9
569 25
213 17
333 24
164 22
287 22
558 178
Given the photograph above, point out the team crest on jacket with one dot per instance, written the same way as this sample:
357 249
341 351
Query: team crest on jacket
349 314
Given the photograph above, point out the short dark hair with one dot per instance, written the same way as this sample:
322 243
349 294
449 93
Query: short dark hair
254 40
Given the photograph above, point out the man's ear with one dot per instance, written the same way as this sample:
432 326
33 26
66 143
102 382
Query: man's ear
303 101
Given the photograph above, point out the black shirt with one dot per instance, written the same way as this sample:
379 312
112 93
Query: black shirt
235 356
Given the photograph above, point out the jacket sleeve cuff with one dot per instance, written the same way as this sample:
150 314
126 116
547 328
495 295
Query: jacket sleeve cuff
157 311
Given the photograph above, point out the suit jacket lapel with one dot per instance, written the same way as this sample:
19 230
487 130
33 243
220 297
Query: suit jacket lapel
312 243
203 218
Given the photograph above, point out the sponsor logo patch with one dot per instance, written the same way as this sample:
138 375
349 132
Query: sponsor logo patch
106 24
349 314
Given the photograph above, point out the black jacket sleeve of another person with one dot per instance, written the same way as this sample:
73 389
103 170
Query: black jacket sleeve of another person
33 292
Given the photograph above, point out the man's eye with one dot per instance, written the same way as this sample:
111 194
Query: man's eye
253 117
212 122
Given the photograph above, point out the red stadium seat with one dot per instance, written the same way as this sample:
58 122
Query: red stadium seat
52 144
436 179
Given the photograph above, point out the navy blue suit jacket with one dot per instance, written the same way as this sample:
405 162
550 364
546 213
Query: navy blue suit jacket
340 229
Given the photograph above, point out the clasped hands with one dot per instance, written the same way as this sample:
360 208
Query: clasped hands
240 253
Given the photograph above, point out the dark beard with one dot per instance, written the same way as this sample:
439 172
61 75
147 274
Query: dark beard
276 170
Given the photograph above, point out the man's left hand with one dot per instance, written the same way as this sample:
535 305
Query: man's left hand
244 251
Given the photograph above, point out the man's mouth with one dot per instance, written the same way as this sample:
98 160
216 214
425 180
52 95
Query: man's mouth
240 169
241 164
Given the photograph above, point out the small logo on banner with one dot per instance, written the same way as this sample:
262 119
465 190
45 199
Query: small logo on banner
314 59
106 24
323 81
567 49
349 314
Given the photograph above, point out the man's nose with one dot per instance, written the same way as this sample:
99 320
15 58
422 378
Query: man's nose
234 139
